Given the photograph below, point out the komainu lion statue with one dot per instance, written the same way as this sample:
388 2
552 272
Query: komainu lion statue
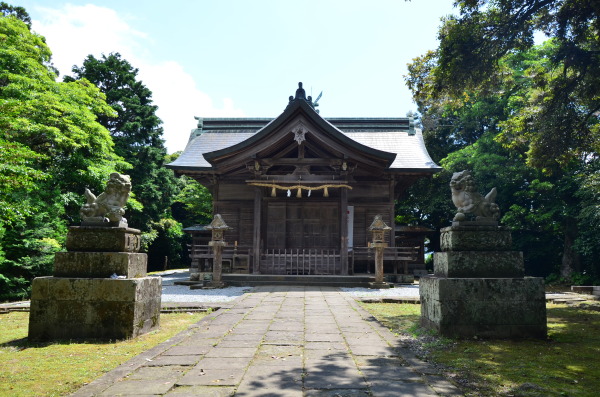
468 201
107 208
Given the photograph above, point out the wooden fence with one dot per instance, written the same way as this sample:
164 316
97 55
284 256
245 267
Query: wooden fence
298 261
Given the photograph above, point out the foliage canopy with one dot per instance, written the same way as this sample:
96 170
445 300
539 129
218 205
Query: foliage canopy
559 117
525 118
50 146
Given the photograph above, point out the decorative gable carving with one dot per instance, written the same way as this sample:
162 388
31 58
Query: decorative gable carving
299 133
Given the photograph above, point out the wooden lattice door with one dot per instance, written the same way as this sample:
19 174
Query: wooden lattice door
303 225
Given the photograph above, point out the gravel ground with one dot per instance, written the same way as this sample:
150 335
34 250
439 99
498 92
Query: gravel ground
396 292
182 293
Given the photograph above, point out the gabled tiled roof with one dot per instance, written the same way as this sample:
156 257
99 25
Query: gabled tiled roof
296 107
393 140
410 150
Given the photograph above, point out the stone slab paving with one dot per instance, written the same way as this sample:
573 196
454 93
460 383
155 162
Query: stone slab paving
279 341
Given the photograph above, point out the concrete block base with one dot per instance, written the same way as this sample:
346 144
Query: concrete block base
406 278
216 284
376 285
484 307
90 308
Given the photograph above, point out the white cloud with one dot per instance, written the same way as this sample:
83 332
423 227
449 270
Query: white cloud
180 100
74 32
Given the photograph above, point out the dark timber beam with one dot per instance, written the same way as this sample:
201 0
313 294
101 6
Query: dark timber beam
256 230
300 161
392 211
344 231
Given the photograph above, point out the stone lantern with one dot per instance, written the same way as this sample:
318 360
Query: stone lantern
217 227
378 229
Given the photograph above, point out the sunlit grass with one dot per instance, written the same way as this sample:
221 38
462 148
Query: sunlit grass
399 317
57 369
566 364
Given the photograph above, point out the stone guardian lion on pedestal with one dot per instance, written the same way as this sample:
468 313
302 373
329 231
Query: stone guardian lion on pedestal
469 202
107 209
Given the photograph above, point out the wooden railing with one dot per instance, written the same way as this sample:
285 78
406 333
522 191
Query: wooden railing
236 259
298 261
398 255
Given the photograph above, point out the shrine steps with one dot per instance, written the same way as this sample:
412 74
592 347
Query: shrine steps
304 280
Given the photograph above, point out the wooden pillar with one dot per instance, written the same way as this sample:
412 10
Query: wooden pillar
344 230
256 232
392 212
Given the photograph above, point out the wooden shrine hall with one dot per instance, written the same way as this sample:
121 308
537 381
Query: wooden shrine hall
300 190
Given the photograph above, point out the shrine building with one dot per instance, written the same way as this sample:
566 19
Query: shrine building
300 190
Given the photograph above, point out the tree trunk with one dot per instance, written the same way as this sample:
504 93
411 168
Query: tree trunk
570 258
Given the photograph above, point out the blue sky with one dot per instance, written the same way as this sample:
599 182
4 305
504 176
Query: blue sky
242 58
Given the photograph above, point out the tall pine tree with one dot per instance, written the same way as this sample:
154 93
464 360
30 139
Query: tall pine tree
136 131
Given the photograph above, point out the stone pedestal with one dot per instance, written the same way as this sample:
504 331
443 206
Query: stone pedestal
217 273
478 288
96 293
103 239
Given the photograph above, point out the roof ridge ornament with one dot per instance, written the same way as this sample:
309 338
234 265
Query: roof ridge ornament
301 96
300 93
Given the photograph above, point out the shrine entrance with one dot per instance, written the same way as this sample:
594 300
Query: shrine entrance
303 225
299 191
302 238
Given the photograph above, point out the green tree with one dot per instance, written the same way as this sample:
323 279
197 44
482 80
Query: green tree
468 129
588 239
136 131
193 203
559 121
51 148
167 245
16 11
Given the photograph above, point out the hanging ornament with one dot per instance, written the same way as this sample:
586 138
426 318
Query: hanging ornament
289 193
299 193
273 192
325 192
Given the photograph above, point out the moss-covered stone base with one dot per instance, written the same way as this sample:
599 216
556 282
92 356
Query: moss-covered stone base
479 264
85 308
100 264
484 307
103 239
475 238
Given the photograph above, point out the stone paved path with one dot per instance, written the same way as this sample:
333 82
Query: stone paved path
279 341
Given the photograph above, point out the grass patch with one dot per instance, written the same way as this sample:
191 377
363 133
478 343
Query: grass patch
400 318
57 369
566 364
